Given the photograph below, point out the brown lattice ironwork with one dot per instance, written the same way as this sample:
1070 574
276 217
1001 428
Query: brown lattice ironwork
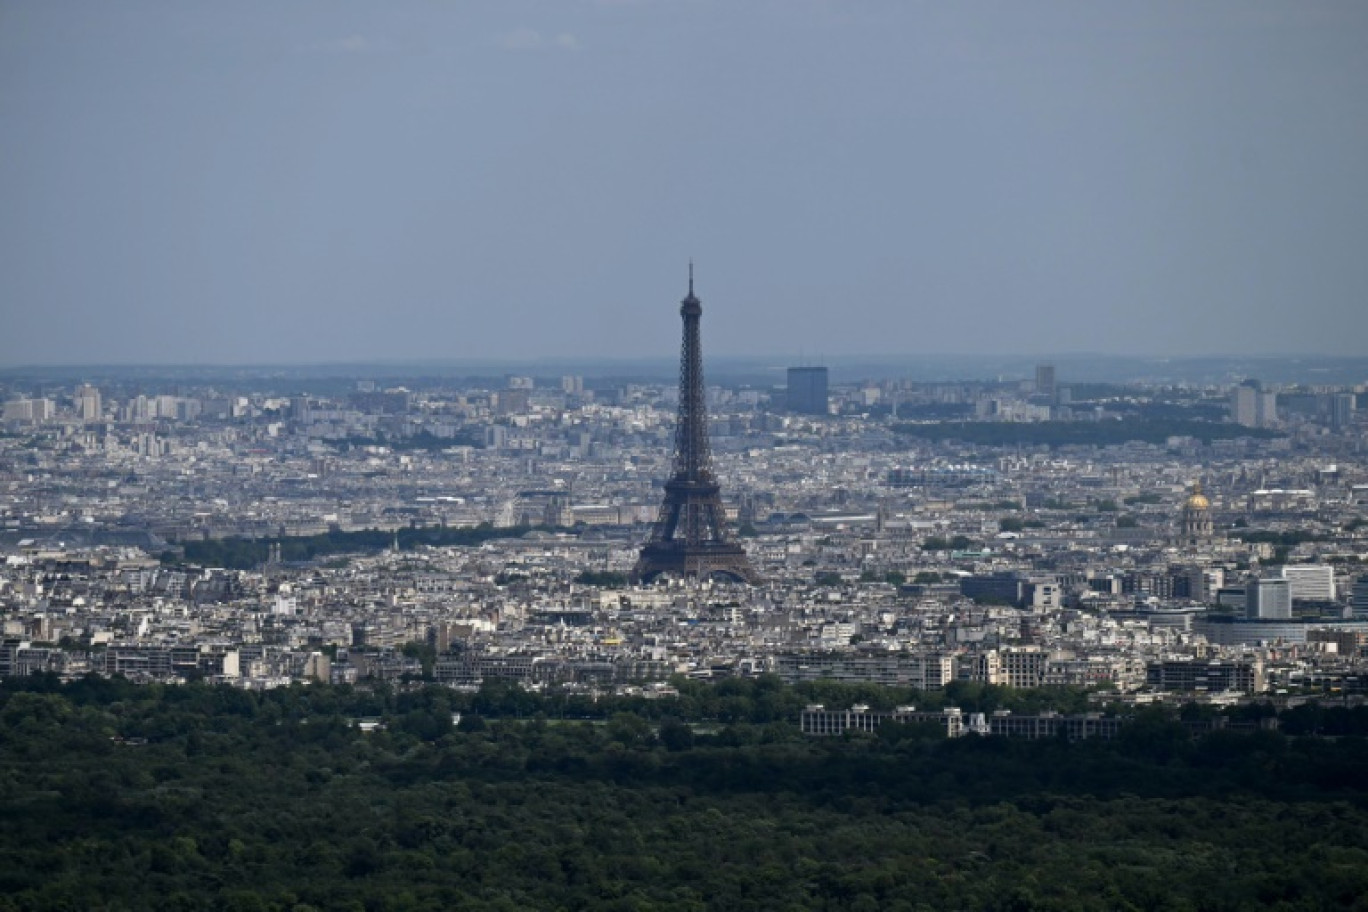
690 537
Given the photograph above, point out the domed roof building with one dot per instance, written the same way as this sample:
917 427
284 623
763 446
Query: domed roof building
1196 519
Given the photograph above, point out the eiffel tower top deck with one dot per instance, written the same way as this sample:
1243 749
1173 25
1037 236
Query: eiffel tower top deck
690 538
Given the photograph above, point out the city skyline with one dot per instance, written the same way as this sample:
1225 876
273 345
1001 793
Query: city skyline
347 183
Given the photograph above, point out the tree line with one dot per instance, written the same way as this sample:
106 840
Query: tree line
1078 433
237 553
118 796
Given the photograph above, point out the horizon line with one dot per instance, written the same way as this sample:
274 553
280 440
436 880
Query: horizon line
661 358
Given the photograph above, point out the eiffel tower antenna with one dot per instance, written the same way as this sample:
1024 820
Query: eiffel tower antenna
690 537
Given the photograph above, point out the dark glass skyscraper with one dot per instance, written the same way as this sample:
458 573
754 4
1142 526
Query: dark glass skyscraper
807 390
1045 380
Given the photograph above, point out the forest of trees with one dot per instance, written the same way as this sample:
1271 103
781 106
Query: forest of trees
118 796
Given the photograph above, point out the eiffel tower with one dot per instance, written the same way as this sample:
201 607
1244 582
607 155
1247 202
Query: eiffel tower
690 537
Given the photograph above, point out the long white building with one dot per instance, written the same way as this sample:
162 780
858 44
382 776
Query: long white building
1310 582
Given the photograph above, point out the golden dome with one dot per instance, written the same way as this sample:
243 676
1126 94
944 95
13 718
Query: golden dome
1197 501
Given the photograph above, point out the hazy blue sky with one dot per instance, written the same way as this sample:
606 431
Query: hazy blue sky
310 180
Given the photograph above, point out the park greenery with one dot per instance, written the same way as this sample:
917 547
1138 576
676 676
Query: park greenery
891 577
1077 433
237 553
423 440
120 797
606 579
954 543
1018 524
1282 541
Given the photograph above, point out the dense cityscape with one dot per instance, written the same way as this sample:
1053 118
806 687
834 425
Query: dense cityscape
906 533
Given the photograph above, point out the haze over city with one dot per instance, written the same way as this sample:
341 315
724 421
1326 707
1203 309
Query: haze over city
675 454
339 181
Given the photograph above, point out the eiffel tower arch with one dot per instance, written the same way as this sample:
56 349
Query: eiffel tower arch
690 538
